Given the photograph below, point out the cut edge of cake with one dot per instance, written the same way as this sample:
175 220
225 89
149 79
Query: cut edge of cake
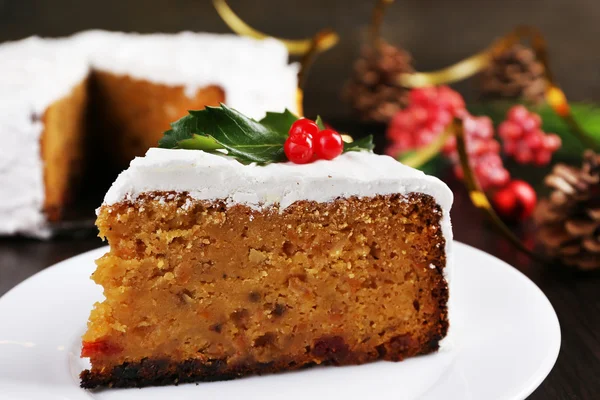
170 177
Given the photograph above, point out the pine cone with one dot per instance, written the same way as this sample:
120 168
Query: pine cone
373 91
514 73
569 220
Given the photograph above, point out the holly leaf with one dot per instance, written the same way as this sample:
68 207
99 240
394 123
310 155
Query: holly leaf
363 144
320 123
243 138
219 129
279 122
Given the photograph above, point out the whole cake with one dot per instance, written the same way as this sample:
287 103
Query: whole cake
219 268
122 90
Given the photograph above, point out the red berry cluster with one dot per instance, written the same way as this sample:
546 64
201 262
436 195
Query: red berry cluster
483 151
429 113
307 143
524 140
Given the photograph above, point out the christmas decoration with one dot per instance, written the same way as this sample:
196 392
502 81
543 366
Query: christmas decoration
483 151
569 219
429 113
516 201
306 48
295 47
373 91
278 137
523 139
514 73
587 115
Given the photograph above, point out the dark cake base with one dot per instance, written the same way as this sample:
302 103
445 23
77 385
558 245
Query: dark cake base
329 351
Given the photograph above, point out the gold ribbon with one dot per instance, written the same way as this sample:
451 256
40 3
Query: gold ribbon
294 47
306 48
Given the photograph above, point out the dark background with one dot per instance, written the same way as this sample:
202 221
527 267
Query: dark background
436 32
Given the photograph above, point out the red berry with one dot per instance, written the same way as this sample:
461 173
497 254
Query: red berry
402 120
509 130
299 148
499 177
523 154
552 142
328 144
510 147
533 121
422 95
304 125
517 113
516 201
534 140
542 158
419 114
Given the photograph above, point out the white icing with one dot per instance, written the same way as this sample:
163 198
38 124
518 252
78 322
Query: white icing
207 176
34 73
254 74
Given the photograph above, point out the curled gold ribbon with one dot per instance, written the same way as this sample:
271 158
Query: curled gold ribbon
294 47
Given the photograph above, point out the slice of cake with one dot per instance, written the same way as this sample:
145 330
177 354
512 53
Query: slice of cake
128 87
219 269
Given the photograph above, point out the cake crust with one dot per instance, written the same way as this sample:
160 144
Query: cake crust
330 351
197 290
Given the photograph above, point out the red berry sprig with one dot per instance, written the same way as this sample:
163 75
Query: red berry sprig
427 116
524 140
430 111
307 143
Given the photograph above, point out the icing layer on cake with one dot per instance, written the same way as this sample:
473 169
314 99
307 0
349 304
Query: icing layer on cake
35 72
207 176
254 74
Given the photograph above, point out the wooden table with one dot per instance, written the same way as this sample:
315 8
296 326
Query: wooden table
575 297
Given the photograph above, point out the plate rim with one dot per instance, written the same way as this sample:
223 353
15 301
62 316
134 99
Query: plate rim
542 373
536 379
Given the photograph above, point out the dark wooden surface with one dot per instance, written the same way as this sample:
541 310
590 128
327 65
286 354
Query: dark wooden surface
575 297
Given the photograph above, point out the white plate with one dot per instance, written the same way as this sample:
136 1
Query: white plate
504 341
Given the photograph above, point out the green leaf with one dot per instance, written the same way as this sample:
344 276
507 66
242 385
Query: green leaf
245 139
216 128
320 123
222 127
365 143
183 129
199 142
279 122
